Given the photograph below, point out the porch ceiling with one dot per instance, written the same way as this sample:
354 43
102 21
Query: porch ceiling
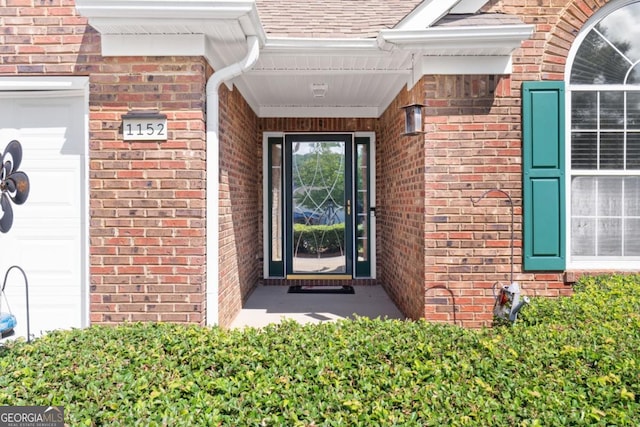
305 76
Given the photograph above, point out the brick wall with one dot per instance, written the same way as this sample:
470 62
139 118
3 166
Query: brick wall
400 207
240 217
146 199
147 207
438 254
473 144
43 37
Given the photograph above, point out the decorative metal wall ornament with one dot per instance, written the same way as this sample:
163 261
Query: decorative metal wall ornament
14 187
507 300
14 184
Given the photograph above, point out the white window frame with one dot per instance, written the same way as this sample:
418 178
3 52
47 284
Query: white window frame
594 262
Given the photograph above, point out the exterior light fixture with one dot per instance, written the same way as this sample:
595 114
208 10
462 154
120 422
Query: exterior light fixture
413 119
319 90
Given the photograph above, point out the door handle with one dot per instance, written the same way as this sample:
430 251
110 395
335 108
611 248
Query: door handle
348 207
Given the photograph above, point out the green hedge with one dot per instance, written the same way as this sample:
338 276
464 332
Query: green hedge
319 239
571 361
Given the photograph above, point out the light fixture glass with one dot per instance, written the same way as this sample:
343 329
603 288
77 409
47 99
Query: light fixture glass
413 124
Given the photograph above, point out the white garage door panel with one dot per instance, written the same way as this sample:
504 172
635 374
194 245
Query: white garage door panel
48 237
54 252
43 202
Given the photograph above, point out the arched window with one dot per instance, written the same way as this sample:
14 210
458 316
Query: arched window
604 166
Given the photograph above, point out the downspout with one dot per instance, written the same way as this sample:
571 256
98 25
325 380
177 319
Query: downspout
213 171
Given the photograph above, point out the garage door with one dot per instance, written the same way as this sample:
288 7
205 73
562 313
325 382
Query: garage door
49 230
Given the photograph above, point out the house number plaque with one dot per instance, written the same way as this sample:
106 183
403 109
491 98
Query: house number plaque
144 126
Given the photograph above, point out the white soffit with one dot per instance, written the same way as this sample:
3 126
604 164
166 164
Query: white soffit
361 79
362 76
211 28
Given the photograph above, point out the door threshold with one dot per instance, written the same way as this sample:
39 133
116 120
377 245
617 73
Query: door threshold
297 289
319 277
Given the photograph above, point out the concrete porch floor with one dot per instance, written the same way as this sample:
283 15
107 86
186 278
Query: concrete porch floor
272 304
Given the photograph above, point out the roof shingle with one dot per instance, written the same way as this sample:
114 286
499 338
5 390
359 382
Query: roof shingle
332 18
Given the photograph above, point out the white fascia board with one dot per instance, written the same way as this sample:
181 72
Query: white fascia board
325 111
170 17
327 72
176 9
456 37
458 65
42 83
426 14
468 6
328 45
154 45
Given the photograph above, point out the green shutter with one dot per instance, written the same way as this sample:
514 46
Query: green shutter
543 146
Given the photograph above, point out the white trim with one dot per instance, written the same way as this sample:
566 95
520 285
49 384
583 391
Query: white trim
596 88
166 18
172 9
331 45
328 72
598 264
426 14
489 38
86 274
324 111
581 262
25 93
455 65
43 83
154 45
468 6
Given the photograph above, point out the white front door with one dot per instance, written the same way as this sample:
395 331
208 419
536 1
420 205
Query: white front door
48 237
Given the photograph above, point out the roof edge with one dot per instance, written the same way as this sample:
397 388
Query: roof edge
487 34
426 14
175 9
331 44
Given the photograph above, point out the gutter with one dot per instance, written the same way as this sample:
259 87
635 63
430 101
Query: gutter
490 36
171 10
213 170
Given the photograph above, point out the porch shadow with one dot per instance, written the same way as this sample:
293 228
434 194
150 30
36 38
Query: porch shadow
272 304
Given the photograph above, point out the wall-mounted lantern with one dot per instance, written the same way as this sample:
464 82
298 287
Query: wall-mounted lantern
413 124
144 126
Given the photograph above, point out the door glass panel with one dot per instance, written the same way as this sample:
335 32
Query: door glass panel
276 203
318 207
362 204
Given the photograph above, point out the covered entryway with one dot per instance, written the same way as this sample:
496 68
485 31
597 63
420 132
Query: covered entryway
48 238
320 196
269 81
